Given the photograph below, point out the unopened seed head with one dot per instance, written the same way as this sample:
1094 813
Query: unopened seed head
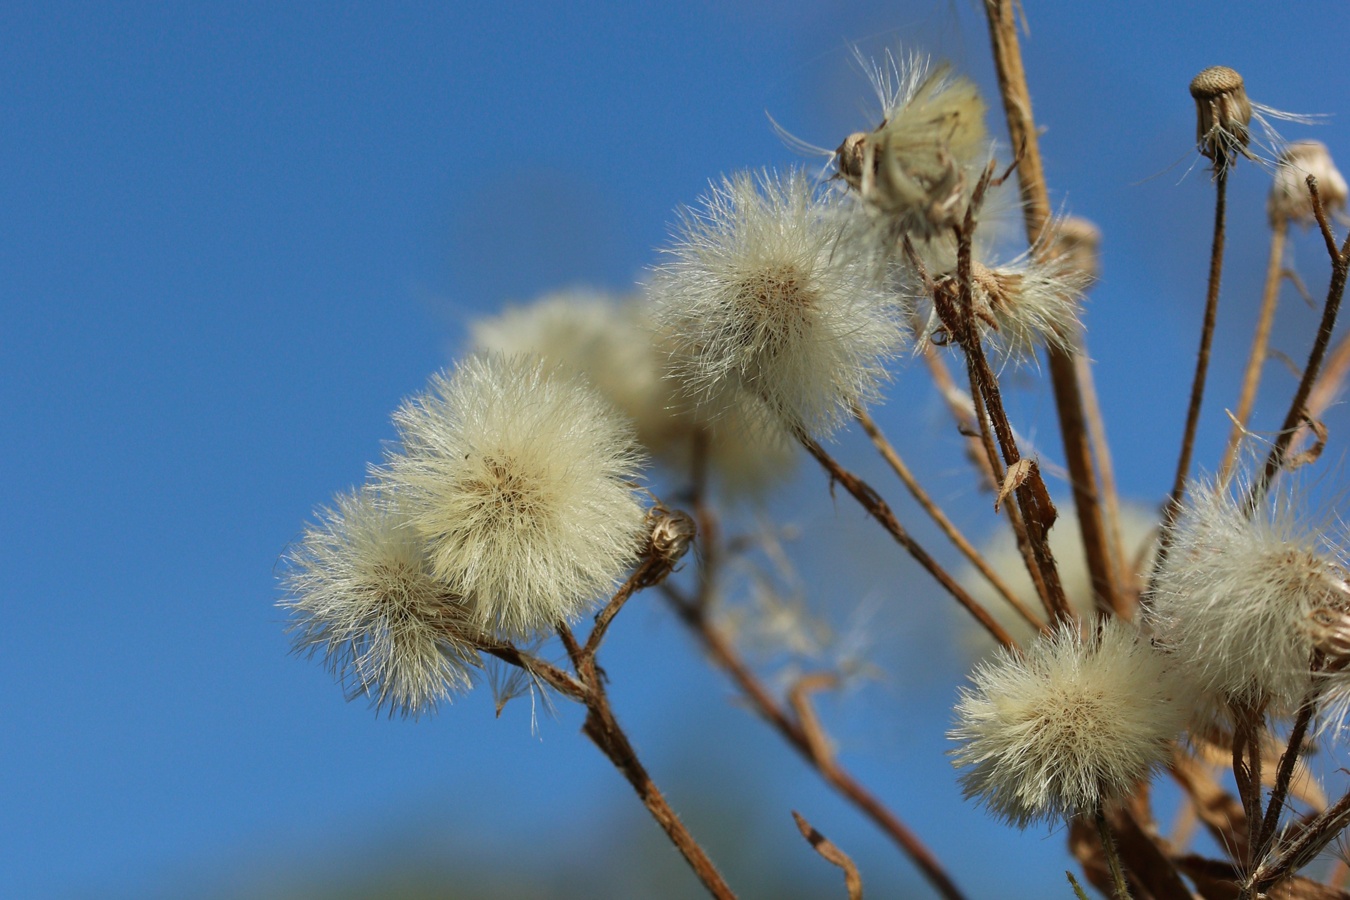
1290 198
1223 115
1078 242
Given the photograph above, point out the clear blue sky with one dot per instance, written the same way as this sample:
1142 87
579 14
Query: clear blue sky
234 236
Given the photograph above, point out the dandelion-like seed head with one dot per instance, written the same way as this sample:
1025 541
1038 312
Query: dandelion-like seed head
914 169
1223 115
517 476
360 587
1070 726
1289 196
765 300
1241 599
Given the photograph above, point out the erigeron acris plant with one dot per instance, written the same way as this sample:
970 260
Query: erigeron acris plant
514 507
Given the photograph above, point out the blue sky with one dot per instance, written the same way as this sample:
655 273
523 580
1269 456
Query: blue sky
234 236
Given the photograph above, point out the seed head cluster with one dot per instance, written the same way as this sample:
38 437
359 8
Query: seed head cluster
616 346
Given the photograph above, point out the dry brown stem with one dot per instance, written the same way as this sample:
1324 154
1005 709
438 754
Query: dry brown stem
603 729
725 657
1256 359
831 854
1173 507
881 512
1064 375
1340 267
935 512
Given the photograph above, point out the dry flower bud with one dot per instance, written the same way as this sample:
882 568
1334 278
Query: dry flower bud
1223 115
672 531
1077 242
1289 196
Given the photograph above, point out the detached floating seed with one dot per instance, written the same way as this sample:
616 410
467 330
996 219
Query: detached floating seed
1223 115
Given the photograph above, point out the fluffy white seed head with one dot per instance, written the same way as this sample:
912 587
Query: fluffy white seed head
916 170
607 341
616 346
764 299
1289 197
518 478
1240 599
361 591
1073 724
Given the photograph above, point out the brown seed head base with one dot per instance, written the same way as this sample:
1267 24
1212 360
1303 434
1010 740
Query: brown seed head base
1223 114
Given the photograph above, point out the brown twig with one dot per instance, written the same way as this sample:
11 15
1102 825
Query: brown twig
935 512
1064 375
1325 390
603 729
955 309
1117 564
651 567
1256 359
878 509
1340 267
964 415
724 656
1309 841
1118 886
1264 839
831 854
1173 508
550 674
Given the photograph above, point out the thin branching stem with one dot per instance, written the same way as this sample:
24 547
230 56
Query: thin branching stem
1173 508
878 509
725 657
1256 359
1064 375
604 731
1117 563
1118 885
1298 413
1264 839
936 513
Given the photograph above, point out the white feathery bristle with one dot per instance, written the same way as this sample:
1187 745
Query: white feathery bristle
617 348
518 477
764 300
1238 600
607 341
1022 306
362 593
1070 726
